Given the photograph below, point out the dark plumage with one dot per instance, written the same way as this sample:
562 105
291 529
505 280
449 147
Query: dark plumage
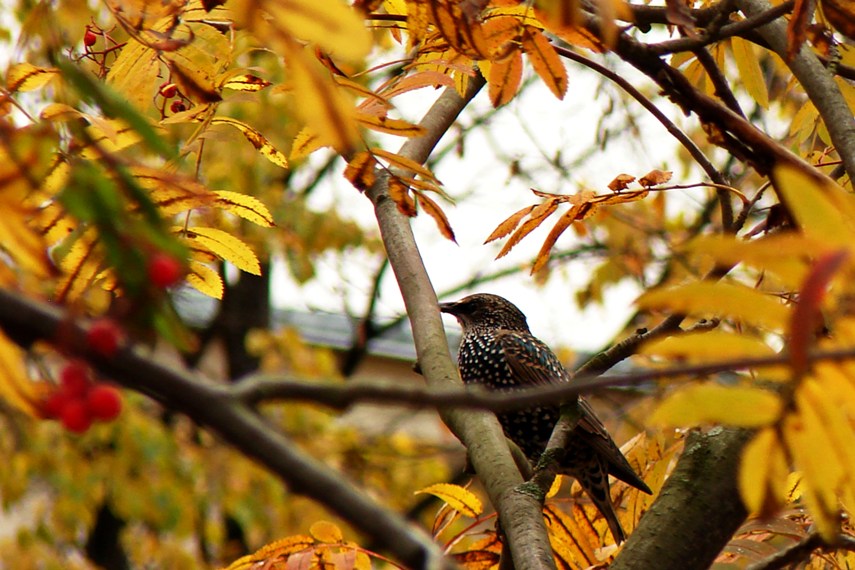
499 352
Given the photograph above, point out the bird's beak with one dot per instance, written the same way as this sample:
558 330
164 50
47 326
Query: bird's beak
447 307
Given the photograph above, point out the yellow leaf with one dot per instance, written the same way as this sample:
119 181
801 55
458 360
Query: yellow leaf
504 78
108 135
755 469
134 73
26 247
555 487
749 70
458 498
321 103
822 209
15 387
245 206
395 127
334 26
23 77
305 143
205 280
245 82
545 60
710 346
713 403
722 299
325 531
258 140
225 246
810 448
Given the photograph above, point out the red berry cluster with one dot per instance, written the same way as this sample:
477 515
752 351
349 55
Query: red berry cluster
168 91
80 400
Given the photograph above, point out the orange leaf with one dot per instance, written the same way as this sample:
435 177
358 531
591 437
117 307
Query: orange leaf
360 170
502 33
391 126
797 28
509 224
539 214
400 193
404 163
558 229
505 78
545 60
434 211
462 31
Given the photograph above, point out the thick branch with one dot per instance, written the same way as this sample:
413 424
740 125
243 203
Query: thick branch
519 514
697 511
26 321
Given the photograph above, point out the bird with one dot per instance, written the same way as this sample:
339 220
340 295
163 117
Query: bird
499 352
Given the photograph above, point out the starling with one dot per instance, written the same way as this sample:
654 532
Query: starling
499 352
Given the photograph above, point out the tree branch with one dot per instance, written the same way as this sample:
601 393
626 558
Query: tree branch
520 515
25 321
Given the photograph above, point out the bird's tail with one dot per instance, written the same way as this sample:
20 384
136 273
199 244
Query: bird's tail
595 483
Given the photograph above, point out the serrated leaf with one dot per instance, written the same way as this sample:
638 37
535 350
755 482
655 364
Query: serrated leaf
247 207
654 178
504 79
458 498
509 225
134 73
621 182
545 60
225 246
727 300
713 403
560 226
433 210
205 280
461 29
538 214
305 143
23 77
258 140
325 531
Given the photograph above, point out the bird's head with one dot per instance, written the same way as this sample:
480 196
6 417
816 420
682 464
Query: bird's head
485 311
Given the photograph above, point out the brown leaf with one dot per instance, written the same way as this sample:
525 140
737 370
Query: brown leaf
797 28
509 224
360 170
505 78
655 177
400 193
621 182
545 60
433 210
396 127
841 15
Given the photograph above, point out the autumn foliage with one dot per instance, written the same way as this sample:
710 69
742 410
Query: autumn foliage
149 148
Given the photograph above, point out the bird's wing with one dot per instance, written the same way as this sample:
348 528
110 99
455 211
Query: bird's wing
534 364
531 361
